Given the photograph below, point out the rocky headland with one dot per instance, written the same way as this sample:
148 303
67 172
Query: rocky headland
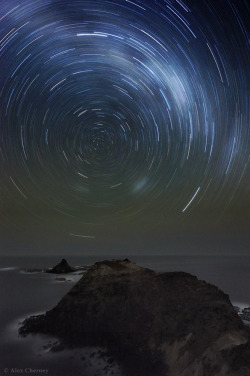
156 324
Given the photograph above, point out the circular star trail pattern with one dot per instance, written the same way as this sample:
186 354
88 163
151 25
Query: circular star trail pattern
112 108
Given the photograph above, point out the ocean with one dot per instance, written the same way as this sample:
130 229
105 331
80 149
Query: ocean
23 294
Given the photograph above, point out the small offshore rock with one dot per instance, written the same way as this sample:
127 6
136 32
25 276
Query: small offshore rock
61 268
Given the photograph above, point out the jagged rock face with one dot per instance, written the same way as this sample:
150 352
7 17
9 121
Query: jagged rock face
61 268
157 323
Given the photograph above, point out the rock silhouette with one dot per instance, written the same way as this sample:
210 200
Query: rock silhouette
62 267
169 324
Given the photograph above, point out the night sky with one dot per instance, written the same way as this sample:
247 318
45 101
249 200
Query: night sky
124 126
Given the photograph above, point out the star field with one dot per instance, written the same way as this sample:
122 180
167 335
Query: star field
123 113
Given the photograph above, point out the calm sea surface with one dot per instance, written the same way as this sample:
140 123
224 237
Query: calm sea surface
23 294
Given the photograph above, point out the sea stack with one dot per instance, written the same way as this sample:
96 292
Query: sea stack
156 324
61 268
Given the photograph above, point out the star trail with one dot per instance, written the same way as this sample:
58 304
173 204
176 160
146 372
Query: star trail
119 115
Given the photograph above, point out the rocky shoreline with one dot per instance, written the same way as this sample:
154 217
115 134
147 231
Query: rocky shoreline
154 323
244 314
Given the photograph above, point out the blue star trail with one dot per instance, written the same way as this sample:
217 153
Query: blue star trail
119 111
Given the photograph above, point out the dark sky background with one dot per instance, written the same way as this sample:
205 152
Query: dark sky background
124 127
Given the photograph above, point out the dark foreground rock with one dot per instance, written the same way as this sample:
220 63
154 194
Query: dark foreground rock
155 323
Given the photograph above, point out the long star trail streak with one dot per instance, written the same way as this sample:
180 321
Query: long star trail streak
116 111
